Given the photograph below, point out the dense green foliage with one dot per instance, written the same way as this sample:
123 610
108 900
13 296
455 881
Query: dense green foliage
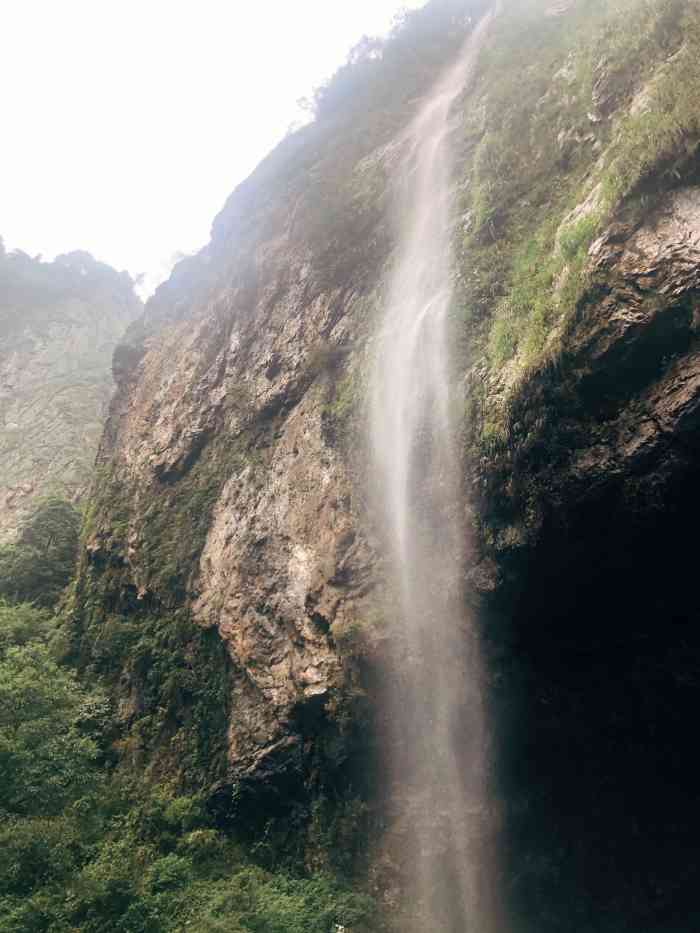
87 847
39 565
179 672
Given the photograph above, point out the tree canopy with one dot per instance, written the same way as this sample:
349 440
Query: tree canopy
39 565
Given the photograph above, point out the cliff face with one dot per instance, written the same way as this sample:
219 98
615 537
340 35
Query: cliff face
231 503
582 448
586 517
228 494
235 502
59 324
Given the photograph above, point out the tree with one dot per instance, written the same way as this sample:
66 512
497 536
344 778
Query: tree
38 567
45 760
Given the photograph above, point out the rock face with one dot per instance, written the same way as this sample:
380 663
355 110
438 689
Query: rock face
586 589
280 560
230 489
59 323
227 487
232 495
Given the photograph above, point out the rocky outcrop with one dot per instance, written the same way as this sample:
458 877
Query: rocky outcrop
59 323
582 433
624 390
227 484
231 488
231 497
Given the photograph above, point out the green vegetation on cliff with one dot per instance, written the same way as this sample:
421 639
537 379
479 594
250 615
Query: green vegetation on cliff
573 112
38 567
86 845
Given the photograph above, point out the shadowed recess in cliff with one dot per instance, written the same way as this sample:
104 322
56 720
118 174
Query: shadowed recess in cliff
437 766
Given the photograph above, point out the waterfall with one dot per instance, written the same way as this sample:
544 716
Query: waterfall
438 739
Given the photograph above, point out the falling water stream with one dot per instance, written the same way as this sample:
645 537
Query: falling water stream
438 738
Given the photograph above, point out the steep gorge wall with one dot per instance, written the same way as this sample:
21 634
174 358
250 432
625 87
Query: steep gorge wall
230 588
59 325
228 499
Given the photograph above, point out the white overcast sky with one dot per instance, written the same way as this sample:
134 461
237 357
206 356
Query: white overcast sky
126 123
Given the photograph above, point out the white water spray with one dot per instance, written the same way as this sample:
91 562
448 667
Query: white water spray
437 741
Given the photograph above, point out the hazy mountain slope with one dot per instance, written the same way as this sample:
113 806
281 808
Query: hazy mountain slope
59 324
